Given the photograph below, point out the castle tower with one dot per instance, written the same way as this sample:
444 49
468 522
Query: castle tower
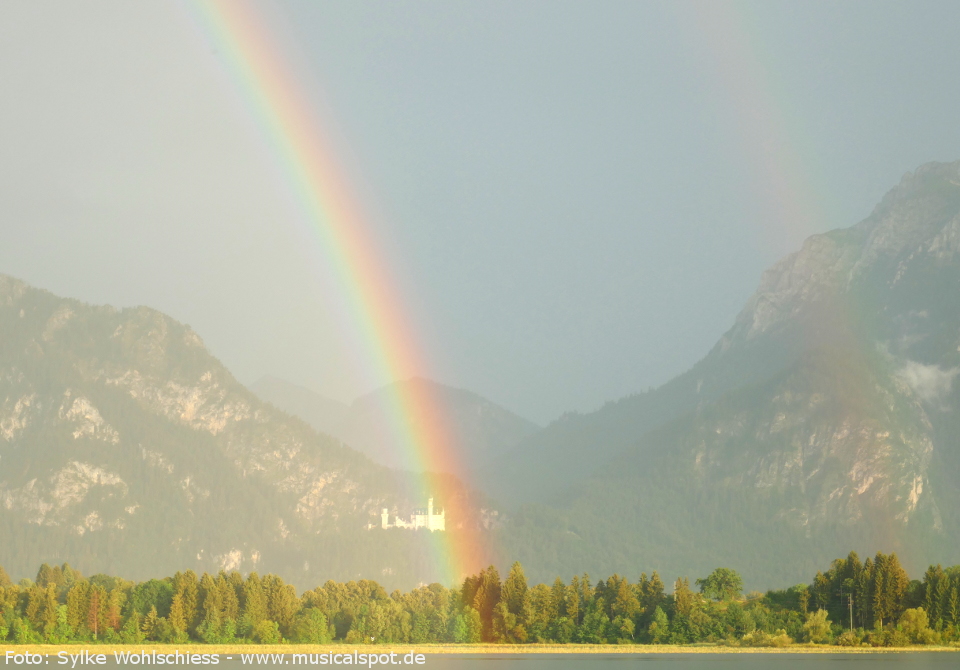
430 508
385 518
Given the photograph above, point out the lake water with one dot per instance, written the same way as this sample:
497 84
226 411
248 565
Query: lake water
891 661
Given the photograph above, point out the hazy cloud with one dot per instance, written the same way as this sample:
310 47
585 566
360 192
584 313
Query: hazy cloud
931 383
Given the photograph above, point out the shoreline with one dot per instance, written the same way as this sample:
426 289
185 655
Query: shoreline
453 649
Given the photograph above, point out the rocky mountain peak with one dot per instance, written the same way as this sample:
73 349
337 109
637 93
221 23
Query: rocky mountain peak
918 221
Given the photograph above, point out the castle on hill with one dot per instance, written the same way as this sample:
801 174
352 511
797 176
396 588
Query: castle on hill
421 518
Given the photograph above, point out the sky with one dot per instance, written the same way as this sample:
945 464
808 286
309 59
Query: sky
573 200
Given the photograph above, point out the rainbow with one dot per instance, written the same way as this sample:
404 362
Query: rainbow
758 102
258 69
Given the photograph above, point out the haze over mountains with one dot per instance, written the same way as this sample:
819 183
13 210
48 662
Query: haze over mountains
125 447
826 419
482 433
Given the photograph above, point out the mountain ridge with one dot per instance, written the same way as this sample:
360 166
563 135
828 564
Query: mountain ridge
480 431
882 293
126 446
755 346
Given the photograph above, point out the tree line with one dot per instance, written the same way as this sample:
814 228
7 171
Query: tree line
873 602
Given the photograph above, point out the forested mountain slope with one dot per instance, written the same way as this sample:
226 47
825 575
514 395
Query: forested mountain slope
827 415
125 447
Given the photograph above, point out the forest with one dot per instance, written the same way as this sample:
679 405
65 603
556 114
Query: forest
852 603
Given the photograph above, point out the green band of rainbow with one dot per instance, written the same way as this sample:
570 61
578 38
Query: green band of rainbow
258 69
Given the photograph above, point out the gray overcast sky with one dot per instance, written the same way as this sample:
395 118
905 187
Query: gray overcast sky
577 198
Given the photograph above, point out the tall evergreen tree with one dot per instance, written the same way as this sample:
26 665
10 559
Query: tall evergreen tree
96 610
931 603
682 597
572 601
255 603
863 590
282 602
653 595
516 598
187 586
151 624
625 602
486 599
230 605
178 617
78 601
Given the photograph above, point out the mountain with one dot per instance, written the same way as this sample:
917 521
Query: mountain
481 432
322 413
126 447
825 419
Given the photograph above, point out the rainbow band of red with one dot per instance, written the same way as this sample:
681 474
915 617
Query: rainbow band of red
258 69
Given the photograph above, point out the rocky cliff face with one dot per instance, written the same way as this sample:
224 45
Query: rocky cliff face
826 418
125 446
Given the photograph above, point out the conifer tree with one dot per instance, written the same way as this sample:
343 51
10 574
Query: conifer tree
48 575
474 625
516 598
820 591
486 599
211 608
682 597
899 582
468 591
803 599
150 624
931 580
600 596
33 610
556 605
854 566
189 588
585 595
881 603
49 614
954 606
864 594
228 597
177 616
69 575
572 601
942 600
77 606
282 602
659 628
255 603
96 604
112 617
625 602
654 593
890 582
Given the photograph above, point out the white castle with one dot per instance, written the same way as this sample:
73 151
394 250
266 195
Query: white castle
421 518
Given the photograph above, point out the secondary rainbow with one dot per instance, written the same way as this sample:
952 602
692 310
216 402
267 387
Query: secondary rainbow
758 101
258 68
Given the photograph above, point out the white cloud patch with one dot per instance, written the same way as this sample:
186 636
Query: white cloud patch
931 383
